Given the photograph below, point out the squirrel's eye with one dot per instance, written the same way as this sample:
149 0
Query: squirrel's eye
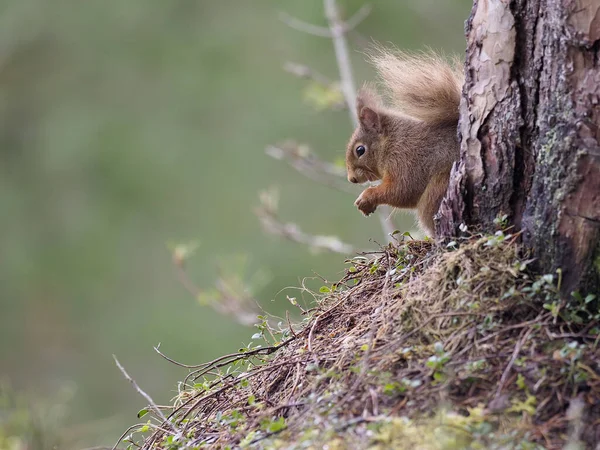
360 150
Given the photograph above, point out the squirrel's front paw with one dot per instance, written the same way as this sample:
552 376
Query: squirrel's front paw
364 205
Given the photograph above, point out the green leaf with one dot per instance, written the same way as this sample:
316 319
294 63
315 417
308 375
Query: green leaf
528 406
439 377
142 413
521 382
324 290
322 96
374 268
548 278
277 425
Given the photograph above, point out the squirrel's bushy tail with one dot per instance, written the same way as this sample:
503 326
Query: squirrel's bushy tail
422 85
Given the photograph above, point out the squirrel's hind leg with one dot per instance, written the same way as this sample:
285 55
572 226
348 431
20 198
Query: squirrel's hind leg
430 201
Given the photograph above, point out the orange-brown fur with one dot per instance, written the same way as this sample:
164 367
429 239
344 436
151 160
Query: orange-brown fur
412 144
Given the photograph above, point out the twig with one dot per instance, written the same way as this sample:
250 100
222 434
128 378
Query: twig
293 233
289 322
319 31
310 334
228 359
384 213
512 361
267 435
356 421
288 405
358 17
305 27
125 433
271 224
364 362
147 397
541 319
303 71
228 304
196 400
311 167
295 385
374 402
171 360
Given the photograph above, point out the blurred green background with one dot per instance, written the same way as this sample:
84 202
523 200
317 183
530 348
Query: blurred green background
129 124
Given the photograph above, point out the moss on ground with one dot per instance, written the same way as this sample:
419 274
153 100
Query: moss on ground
416 347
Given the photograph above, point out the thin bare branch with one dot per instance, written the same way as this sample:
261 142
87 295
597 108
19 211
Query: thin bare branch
303 71
305 27
292 232
337 30
358 17
151 403
267 214
305 162
385 213
322 93
228 302
316 30
125 433
506 373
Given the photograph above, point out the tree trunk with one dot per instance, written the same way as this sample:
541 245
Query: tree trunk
529 132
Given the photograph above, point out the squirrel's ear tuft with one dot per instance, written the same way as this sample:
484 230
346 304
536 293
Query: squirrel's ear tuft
367 105
367 96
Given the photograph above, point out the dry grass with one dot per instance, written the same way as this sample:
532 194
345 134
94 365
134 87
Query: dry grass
416 347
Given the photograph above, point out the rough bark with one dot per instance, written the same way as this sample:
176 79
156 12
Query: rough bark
530 132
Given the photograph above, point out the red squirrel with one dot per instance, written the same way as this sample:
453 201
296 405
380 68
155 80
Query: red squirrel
411 143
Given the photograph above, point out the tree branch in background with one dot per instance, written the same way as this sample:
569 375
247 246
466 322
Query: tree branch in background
325 32
308 164
305 27
303 71
151 403
357 18
232 296
267 213
337 30
321 92
299 156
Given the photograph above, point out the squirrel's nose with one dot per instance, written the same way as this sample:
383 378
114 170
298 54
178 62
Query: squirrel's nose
352 179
